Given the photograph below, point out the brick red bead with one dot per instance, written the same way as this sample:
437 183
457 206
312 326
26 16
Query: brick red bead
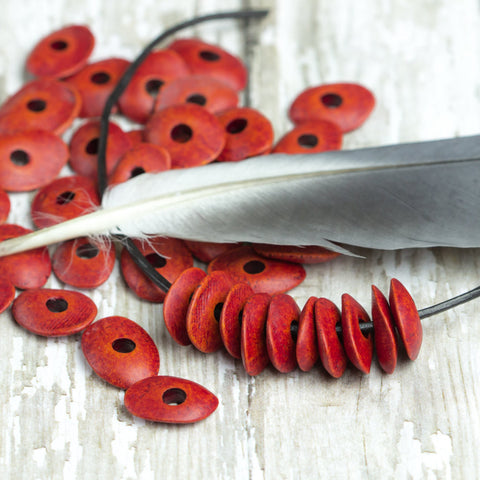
83 263
156 72
359 348
61 53
95 82
207 251
7 293
192 135
283 314
289 253
170 400
120 351
347 105
168 256
30 159
204 90
262 274
204 311
4 206
84 148
62 199
306 347
384 331
406 318
29 269
248 133
177 300
310 137
52 312
142 158
230 323
45 104
253 340
208 59
330 348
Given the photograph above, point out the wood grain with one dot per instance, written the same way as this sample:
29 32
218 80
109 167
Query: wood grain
422 61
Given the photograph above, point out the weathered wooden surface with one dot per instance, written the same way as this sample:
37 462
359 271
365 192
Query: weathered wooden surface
422 60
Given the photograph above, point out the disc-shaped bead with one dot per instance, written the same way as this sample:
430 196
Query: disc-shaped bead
52 312
177 300
347 105
262 274
61 53
192 135
207 251
306 347
204 312
120 351
170 400
4 206
7 293
289 253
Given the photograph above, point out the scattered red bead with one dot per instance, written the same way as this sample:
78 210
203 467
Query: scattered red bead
7 293
207 251
4 206
305 255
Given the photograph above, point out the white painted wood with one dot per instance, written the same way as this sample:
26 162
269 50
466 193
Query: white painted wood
421 59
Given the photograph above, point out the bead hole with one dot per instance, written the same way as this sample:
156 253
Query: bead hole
153 86
181 133
123 345
254 266
20 158
86 251
136 171
174 396
331 100
59 45
65 197
56 305
217 311
37 105
156 260
197 98
209 56
365 332
100 78
92 146
308 140
236 126
294 330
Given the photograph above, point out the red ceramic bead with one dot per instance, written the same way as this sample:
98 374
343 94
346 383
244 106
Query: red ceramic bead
406 318
330 349
83 263
306 346
30 159
384 331
253 339
84 148
248 133
7 293
310 137
135 136
204 90
207 251
207 59
192 135
262 274
150 79
142 158
45 104
63 199
120 351
289 253
170 400
231 318
168 256
177 300
53 313
359 348
204 311
25 270
62 53
347 105
95 82
283 314
4 206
